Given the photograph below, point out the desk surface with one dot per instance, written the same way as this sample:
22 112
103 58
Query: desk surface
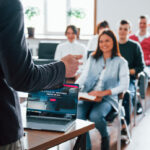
41 140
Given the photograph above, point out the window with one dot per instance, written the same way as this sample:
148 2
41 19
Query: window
53 17
56 18
38 21
87 23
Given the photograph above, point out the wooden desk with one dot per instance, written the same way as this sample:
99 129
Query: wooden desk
42 140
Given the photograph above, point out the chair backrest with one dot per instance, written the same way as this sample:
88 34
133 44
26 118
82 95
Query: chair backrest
89 52
142 85
47 50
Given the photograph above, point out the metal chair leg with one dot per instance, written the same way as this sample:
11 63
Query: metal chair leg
119 133
141 101
135 109
130 105
128 132
80 143
57 147
145 102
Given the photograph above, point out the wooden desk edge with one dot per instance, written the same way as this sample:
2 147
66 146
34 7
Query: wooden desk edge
64 138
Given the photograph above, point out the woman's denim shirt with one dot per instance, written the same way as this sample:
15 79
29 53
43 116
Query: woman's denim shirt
115 78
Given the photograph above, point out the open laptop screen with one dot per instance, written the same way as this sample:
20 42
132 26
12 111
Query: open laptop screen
62 101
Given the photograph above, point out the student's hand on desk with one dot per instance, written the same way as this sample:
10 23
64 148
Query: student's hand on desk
71 64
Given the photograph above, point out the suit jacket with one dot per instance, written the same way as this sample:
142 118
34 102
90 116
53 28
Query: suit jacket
17 70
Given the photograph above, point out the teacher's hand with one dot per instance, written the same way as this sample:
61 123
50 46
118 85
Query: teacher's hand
71 64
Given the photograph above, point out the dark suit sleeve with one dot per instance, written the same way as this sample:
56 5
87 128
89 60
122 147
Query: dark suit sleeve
139 64
16 62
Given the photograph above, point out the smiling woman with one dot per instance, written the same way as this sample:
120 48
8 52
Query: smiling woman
106 45
105 75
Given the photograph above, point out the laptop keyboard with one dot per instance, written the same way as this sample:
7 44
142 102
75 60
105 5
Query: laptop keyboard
48 121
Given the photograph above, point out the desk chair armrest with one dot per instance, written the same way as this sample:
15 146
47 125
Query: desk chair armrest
140 74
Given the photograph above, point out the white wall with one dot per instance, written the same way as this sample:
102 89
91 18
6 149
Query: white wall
115 10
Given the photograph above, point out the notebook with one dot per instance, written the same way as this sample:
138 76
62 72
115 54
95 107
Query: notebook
86 96
53 110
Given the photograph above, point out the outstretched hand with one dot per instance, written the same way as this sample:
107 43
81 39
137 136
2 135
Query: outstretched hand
71 64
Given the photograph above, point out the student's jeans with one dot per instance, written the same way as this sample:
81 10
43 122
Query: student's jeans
95 112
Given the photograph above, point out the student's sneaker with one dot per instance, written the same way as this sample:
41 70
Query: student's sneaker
139 109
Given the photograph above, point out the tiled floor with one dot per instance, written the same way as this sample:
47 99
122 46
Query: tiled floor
141 135
141 132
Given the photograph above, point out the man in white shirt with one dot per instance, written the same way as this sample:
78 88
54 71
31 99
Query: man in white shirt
71 46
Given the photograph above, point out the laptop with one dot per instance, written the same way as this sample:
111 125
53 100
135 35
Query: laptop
53 110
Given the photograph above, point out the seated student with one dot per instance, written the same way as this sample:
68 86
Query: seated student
105 75
71 46
92 44
132 52
143 37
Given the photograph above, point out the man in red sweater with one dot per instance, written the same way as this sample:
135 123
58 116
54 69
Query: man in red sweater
143 37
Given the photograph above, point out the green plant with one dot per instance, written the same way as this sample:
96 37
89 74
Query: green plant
77 13
30 12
